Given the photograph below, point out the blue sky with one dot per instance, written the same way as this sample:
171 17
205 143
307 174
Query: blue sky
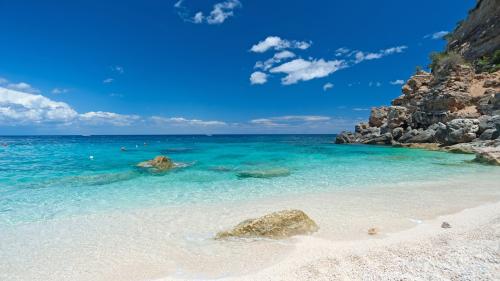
222 66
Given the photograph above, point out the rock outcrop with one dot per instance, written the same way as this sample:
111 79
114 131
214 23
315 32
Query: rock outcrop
158 164
457 103
477 36
276 225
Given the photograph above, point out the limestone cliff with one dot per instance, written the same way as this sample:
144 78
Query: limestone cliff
458 102
478 35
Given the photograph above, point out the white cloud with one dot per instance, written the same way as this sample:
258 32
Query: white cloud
437 35
219 13
23 108
360 56
304 70
116 95
181 121
3 81
374 84
23 87
108 80
57 91
361 109
276 43
327 86
198 17
258 77
277 58
289 120
108 118
118 69
397 82
341 51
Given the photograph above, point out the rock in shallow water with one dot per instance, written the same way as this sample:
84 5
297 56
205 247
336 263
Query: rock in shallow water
276 225
159 163
264 173
489 155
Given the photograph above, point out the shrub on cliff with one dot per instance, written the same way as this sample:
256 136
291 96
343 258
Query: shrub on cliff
489 64
442 63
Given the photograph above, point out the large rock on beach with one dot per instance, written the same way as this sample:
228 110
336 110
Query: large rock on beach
159 163
276 225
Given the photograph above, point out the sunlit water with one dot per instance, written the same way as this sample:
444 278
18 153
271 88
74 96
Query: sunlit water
87 196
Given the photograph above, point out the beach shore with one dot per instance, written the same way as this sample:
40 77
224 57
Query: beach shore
469 250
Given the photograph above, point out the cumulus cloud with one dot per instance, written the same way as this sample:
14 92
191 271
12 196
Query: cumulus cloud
17 107
277 58
219 13
108 80
327 86
3 81
276 43
258 77
181 121
437 35
360 56
397 82
23 87
57 91
108 118
304 70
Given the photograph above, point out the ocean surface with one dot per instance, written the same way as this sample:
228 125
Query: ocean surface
47 177
79 208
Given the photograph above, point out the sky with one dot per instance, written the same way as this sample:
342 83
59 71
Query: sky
210 67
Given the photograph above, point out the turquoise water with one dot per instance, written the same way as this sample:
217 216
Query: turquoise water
44 178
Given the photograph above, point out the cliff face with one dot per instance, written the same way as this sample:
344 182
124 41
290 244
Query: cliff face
452 105
478 35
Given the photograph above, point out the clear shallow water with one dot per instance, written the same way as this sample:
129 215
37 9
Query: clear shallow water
43 178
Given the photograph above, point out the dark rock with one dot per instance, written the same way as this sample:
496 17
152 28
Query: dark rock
461 130
345 137
445 225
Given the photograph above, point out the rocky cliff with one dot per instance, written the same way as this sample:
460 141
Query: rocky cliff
457 103
477 36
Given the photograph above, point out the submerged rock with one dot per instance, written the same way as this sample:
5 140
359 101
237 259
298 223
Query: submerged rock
489 155
159 163
281 172
276 225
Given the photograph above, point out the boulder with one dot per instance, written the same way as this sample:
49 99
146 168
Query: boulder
461 130
360 127
276 225
378 139
397 116
345 137
397 133
378 116
159 163
419 136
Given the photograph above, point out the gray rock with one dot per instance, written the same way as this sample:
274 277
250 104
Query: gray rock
380 139
345 137
378 116
445 225
461 130
397 133
489 134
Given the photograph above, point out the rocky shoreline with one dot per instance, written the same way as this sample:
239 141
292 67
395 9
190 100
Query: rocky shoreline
455 107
